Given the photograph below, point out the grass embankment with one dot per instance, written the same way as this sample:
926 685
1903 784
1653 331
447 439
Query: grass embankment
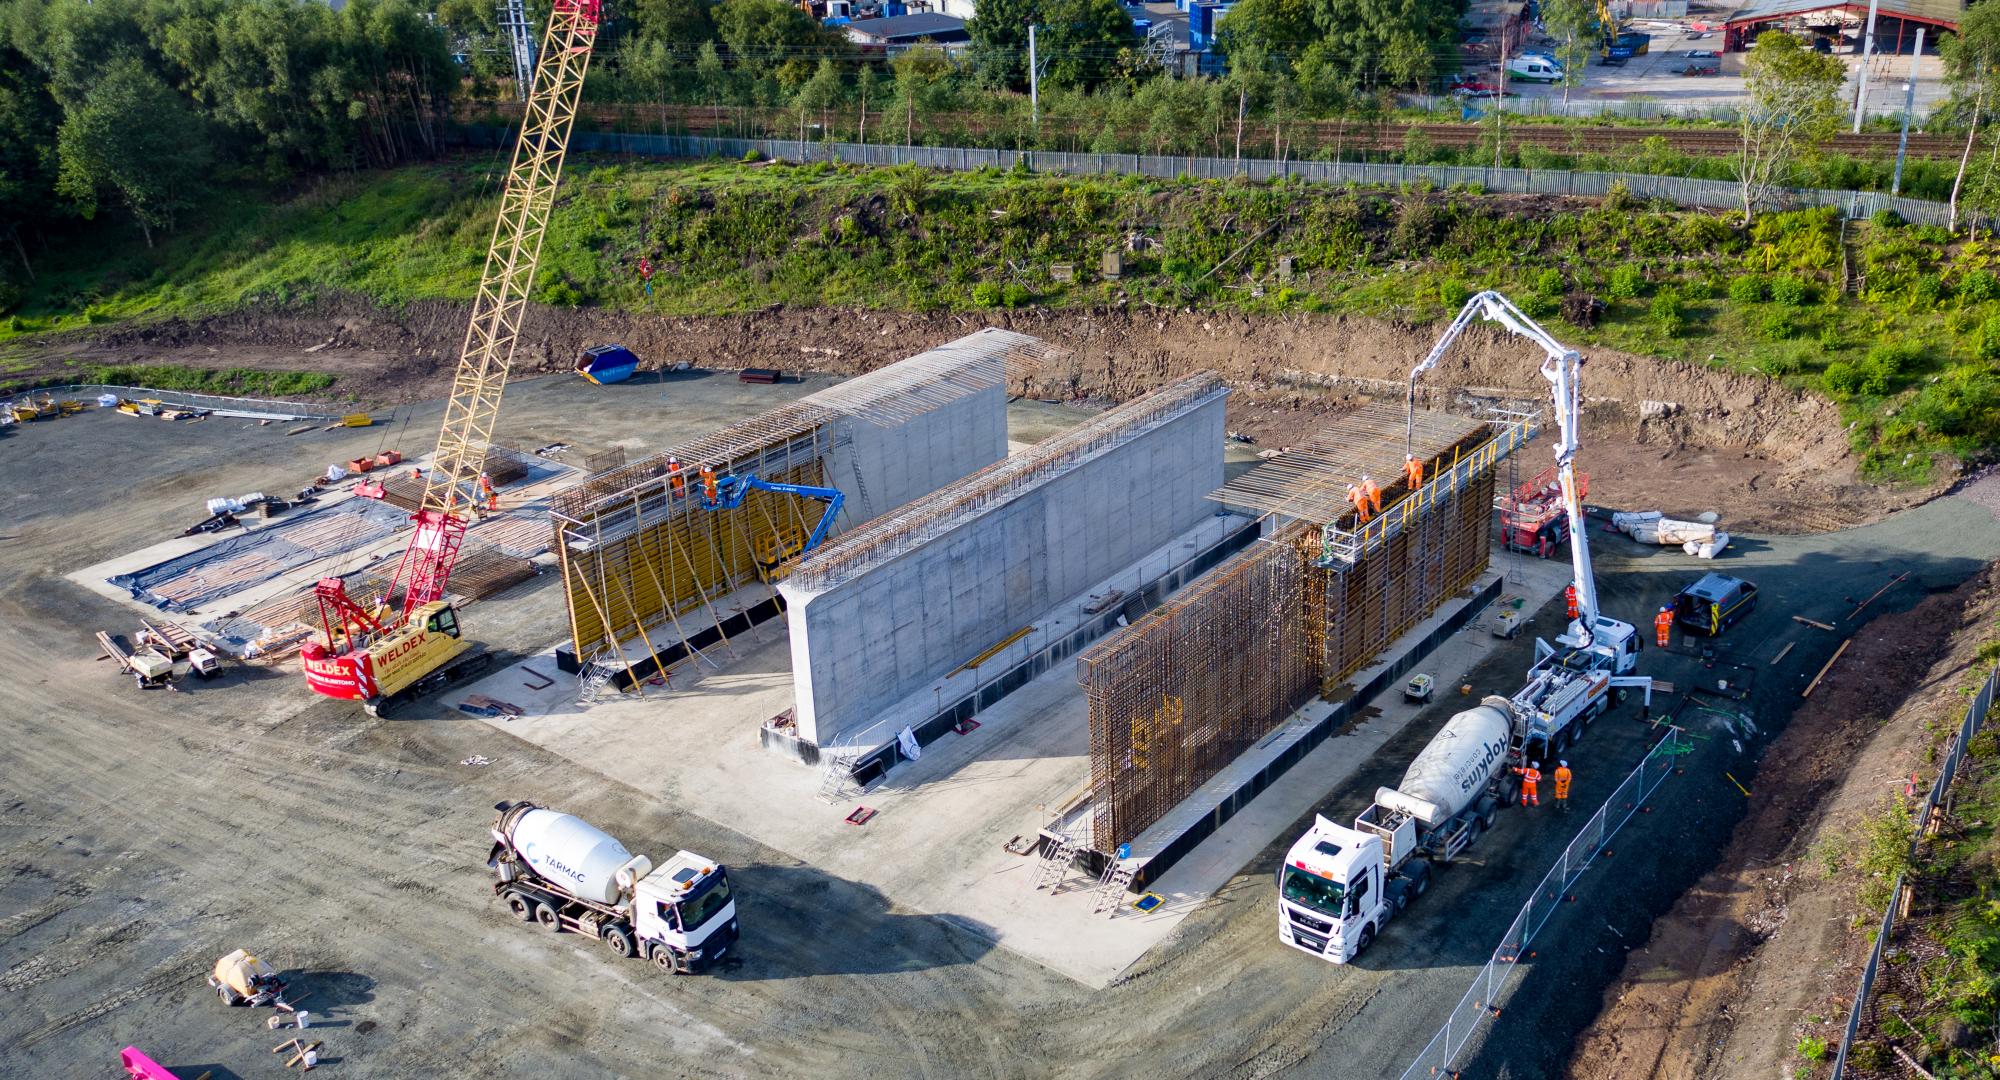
1911 357
1948 945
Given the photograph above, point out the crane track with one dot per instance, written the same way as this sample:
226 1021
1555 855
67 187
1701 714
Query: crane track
1312 136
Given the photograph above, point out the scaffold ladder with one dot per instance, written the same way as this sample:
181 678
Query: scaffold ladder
1054 867
1112 886
596 675
836 776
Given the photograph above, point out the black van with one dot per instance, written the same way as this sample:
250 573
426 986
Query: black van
1714 604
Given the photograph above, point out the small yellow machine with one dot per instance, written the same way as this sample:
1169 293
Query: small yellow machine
241 979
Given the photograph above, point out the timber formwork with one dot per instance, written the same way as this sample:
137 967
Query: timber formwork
646 555
1182 692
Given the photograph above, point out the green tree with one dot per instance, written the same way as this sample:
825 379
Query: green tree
1791 106
28 119
1407 62
771 32
1078 42
1279 27
1972 71
1573 23
683 24
1358 32
919 73
133 137
817 95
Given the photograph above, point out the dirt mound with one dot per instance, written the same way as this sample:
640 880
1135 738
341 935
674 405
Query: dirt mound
1763 951
1689 437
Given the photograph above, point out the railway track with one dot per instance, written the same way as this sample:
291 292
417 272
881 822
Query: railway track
1301 137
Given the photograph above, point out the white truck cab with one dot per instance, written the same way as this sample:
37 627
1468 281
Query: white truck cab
686 904
1339 885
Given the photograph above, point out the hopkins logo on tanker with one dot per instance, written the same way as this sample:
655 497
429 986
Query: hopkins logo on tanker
1476 773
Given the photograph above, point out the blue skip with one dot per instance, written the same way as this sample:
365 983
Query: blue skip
607 364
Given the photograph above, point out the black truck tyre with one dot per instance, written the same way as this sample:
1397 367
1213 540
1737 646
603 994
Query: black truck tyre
618 940
547 917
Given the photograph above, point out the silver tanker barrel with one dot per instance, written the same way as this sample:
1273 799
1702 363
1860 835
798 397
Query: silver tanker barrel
1453 771
570 853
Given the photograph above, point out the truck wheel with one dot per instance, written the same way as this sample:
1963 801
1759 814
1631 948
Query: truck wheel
522 907
618 940
1417 888
1509 790
546 916
1367 938
665 958
1487 813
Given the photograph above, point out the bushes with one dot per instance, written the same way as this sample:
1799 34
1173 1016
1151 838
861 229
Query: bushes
1668 313
1539 305
1780 325
1840 378
1747 289
1791 290
1626 281
986 294
1888 365
1987 344
1886 218
1977 287
1549 283
1453 293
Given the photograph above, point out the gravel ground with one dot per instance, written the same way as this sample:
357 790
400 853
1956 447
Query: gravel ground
144 834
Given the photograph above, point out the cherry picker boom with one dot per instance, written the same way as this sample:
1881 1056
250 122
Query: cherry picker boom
408 642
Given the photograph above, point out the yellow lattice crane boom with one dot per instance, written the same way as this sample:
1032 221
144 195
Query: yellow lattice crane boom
365 656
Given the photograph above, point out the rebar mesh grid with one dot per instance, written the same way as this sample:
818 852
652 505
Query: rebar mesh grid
951 506
1179 694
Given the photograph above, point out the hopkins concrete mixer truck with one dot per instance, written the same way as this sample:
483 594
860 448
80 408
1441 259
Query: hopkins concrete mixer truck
562 873
1339 885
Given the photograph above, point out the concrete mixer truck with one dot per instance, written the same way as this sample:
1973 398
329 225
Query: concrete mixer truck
1338 886
561 873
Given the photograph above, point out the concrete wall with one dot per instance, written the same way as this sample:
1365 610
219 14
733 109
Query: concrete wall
868 643
881 468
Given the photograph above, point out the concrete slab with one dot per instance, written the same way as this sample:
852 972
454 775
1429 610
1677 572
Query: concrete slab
936 842
521 501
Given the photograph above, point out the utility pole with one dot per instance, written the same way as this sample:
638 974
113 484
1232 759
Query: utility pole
1909 105
1034 86
1861 80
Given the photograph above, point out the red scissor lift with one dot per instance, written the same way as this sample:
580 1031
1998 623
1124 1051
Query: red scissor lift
1532 517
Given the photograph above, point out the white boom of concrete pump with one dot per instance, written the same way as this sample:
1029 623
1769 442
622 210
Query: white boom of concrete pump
1339 885
1562 367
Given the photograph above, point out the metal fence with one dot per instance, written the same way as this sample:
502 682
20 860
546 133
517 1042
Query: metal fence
1681 191
219 404
1490 986
1975 719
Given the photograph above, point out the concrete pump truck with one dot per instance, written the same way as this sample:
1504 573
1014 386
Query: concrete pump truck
1338 884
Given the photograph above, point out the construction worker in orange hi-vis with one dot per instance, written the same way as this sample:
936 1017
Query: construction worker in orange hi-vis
1413 471
1663 626
486 489
1360 502
1531 779
1562 786
1373 492
708 482
1569 599
675 479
